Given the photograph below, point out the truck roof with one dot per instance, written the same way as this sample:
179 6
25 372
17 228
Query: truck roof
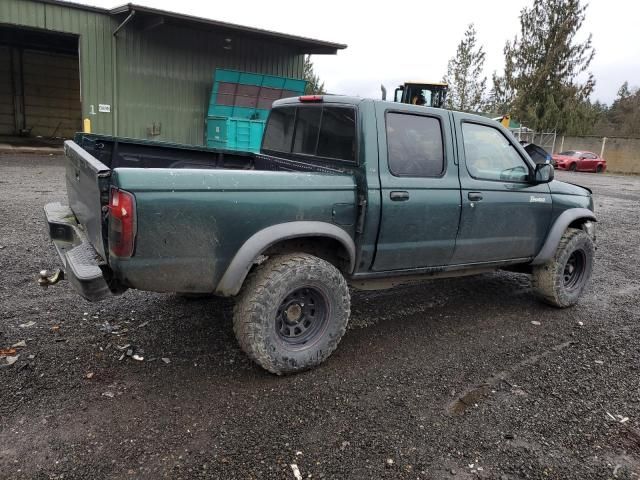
352 100
325 99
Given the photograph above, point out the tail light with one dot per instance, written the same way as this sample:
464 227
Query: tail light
122 223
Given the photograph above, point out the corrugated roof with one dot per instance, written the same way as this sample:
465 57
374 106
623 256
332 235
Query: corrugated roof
306 45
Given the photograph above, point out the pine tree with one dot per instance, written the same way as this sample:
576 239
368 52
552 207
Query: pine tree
314 85
542 65
624 114
623 92
622 118
500 96
464 74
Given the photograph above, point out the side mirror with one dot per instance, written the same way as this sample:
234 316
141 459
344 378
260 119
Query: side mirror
544 173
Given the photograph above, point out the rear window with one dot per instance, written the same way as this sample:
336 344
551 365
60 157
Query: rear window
307 128
279 132
322 131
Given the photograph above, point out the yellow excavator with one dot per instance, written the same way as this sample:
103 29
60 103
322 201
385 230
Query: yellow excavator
417 93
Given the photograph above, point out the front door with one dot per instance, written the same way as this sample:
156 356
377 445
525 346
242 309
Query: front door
419 187
504 216
588 161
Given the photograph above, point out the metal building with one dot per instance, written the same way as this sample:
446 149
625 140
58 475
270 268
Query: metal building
131 71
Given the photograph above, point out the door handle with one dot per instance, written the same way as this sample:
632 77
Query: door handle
475 196
399 196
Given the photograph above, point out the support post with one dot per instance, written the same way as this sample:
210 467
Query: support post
17 83
604 142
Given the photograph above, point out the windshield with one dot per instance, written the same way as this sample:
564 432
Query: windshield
425 94
570 153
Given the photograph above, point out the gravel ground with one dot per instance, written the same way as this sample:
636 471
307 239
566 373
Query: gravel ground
449 379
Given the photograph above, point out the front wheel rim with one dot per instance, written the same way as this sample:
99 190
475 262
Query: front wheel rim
574 270
302 317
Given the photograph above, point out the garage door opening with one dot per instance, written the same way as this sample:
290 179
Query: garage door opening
39 84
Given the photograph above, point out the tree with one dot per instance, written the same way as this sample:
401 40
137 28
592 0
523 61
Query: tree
314 85
543 63
464 74
623 118
500 96
623 92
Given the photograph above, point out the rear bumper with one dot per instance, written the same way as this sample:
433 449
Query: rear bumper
82 266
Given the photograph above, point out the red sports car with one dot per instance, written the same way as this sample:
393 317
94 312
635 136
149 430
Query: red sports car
579 161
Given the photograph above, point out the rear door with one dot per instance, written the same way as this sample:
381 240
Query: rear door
503 215
419 187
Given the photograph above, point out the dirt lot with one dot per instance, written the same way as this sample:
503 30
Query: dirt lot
558 399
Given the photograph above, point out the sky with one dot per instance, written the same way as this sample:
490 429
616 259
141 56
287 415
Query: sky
414 41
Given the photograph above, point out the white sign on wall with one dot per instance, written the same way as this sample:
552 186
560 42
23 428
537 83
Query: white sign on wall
104 108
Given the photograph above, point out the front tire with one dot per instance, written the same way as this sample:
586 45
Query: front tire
561 280
291 313
573 167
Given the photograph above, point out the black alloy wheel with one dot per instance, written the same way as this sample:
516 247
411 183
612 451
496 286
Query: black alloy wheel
574 269
302 316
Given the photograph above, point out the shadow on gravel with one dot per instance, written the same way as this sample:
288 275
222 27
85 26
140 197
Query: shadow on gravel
199 330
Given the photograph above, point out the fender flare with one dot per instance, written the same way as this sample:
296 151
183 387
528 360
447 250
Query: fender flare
236 272
561 224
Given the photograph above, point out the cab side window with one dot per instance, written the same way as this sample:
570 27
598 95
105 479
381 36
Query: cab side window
490 156
414 144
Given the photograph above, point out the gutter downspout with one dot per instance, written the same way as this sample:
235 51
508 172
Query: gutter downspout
114 70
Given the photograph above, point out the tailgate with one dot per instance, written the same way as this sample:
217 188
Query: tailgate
88 191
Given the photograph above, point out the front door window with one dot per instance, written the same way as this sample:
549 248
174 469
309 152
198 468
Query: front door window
490 156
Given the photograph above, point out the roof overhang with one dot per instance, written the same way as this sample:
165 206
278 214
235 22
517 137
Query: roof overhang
155 17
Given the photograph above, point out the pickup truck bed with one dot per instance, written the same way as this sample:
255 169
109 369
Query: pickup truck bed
203 197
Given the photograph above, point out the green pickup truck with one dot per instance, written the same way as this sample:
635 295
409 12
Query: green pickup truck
345 192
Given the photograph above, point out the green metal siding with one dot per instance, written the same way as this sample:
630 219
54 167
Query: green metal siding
164 75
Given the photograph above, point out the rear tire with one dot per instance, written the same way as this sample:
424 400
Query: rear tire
291 313
561 280
573 167
599 169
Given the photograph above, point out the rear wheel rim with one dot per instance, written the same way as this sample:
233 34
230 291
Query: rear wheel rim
573 273
302 317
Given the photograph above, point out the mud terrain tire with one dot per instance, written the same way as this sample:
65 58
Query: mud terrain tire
561 280
291 313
